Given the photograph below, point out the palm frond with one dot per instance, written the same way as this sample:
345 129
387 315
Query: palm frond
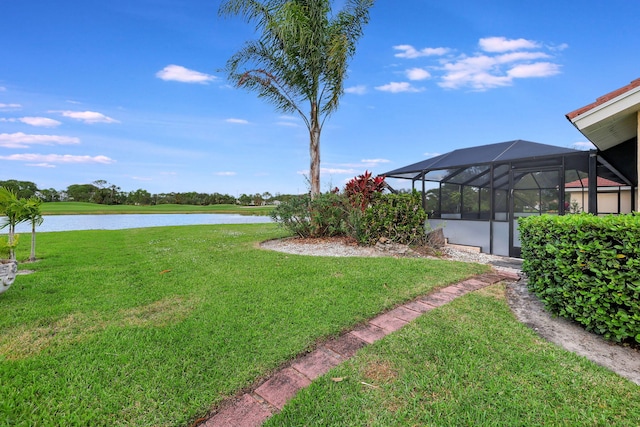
301 56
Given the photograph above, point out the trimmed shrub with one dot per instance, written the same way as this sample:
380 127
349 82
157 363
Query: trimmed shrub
398 217
294 215
586 268
328 215
324 216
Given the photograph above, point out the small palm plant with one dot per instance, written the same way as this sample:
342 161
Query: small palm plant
33 214
12 208
15 211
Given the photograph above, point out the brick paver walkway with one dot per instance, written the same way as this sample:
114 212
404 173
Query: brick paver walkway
253 408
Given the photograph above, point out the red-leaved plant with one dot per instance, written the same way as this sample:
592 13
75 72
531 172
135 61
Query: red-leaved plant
361 189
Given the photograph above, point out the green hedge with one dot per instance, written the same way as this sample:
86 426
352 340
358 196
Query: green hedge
324 216
398 217
586 268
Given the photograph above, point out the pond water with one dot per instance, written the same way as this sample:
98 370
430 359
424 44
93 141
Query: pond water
119 222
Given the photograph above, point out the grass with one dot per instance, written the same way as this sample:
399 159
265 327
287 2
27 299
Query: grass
153 326
468 363
81 208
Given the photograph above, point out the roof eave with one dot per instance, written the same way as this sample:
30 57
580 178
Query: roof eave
612 119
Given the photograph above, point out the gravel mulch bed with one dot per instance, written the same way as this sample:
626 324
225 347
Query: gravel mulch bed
343 246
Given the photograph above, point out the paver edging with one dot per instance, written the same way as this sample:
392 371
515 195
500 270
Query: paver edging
251 409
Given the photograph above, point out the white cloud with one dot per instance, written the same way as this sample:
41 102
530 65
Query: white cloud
237 121
288 124
36 121
478 79
500 61
40 165
559 47
40 121
583 145
373 163
519 56
225 173
2 88
337 171
429 155
290 121
89 117
331 171
351 169
410 52
368 161
356 90
58 158
538 69
10 106
482 72
23 140
502 44
418 74
179 73
397 87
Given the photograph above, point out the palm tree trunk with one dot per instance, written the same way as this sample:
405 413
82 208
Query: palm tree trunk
32 257
10 240
314 151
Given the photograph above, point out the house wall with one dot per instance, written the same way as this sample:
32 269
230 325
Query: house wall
607 201
637 207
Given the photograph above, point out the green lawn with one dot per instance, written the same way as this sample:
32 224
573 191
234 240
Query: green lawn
80 208
468 363
154 326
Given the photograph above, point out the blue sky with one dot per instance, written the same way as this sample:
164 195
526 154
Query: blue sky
129 91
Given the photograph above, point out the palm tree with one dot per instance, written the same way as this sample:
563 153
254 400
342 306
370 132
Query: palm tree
33 214
301 57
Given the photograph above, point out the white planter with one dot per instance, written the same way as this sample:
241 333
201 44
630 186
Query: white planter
8 271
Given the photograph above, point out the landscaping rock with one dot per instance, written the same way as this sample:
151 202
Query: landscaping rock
8 271
435 238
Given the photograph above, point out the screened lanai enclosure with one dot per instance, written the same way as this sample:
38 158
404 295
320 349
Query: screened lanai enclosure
477 194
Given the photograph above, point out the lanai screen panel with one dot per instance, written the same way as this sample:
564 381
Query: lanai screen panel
474 183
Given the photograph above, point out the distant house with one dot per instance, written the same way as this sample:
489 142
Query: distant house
613 197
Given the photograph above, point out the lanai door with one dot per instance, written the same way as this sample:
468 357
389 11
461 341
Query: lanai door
534 192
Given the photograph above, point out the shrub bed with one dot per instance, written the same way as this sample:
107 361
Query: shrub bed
361 211
586 268
323 216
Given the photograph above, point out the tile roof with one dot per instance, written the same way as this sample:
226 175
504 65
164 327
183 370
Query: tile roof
584 183
604 98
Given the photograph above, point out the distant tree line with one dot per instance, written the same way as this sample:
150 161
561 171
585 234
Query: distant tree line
104 193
